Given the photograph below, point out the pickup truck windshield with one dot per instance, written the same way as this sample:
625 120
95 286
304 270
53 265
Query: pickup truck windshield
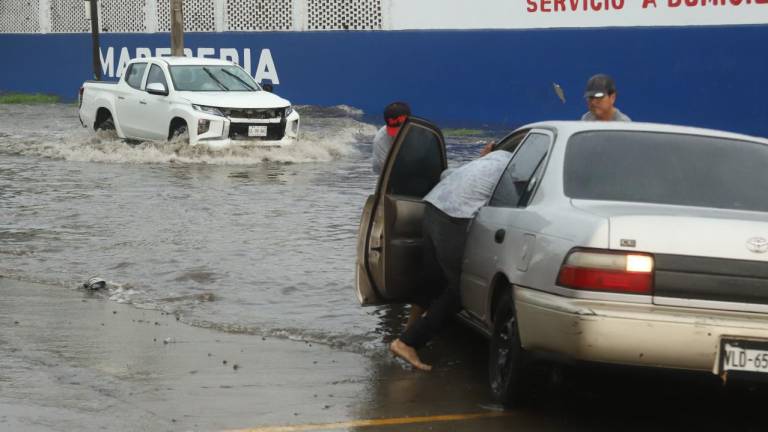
667 168
212 78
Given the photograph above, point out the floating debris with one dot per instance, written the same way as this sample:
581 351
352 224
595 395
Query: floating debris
95 283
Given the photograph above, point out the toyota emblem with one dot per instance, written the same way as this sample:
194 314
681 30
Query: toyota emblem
757 245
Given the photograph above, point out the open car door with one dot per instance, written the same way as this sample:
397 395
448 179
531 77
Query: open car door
389 240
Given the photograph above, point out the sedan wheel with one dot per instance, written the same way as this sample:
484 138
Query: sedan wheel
507 360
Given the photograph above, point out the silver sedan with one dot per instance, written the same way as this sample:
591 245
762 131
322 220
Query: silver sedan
623 243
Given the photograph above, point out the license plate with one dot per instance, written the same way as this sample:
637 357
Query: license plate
749 355
257 131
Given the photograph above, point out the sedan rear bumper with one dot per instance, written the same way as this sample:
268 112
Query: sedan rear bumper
630 333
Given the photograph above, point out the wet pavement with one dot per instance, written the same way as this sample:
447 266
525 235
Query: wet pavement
77 362
230 304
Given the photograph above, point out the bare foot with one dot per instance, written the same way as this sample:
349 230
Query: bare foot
400 349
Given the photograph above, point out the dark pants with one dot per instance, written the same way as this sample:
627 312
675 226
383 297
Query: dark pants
444 239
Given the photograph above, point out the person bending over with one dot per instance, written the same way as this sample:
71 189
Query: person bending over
450 205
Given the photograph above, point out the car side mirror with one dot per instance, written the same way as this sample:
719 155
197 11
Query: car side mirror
157 88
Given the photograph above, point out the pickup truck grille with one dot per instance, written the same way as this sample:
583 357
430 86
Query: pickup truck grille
718 279
239 131
254 113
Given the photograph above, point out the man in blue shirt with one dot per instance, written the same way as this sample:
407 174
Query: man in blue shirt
451 204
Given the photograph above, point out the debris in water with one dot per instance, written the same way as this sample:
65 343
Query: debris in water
95 283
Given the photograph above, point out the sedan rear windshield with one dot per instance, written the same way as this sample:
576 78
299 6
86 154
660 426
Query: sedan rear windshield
667 168
212 78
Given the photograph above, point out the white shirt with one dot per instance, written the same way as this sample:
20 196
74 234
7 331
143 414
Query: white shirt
466 189
382 142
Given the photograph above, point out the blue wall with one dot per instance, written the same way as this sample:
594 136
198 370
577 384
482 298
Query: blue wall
702 76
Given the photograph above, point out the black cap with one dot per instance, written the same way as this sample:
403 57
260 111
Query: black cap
600 83
396 109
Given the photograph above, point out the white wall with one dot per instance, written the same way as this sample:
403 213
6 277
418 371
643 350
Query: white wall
449 14
517 14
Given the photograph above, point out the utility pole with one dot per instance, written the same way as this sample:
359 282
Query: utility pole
93 11
177 28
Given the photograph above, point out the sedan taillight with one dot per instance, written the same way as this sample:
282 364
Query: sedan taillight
611 271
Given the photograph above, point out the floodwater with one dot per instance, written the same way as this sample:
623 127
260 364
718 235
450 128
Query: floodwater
242 240
247 242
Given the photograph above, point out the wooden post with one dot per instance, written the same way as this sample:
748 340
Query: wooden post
94 8
177 28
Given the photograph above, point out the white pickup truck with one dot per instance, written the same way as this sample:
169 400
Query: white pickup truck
211 101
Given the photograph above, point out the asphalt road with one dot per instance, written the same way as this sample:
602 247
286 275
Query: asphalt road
71 361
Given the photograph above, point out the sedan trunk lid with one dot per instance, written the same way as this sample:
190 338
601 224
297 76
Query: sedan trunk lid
701 254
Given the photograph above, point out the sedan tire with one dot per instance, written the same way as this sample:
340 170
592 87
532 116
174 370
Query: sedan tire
508 361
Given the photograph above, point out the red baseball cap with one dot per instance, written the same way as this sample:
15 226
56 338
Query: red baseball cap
393 124
395 115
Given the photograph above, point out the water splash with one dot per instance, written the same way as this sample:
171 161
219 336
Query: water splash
322 140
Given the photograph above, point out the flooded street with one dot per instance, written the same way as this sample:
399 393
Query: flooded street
247 240
76 362
230 303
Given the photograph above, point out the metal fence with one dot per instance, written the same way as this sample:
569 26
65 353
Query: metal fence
149 16
20 16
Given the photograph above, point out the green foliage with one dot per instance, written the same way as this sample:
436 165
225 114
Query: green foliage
463 132
22 98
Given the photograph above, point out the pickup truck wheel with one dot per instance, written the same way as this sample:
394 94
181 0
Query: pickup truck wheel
107 124
180 133
507 360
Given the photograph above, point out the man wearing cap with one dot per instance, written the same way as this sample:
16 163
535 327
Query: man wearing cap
395 115
601 97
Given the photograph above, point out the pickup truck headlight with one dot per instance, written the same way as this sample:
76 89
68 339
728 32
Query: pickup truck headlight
208 110
288 110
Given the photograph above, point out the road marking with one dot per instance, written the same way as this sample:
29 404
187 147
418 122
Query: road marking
374 422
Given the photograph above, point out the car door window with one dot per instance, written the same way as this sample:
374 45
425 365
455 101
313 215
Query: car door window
418 164
156 75
134 74
510 142
513 188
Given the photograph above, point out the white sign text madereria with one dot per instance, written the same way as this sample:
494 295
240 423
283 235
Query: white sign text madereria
265 68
